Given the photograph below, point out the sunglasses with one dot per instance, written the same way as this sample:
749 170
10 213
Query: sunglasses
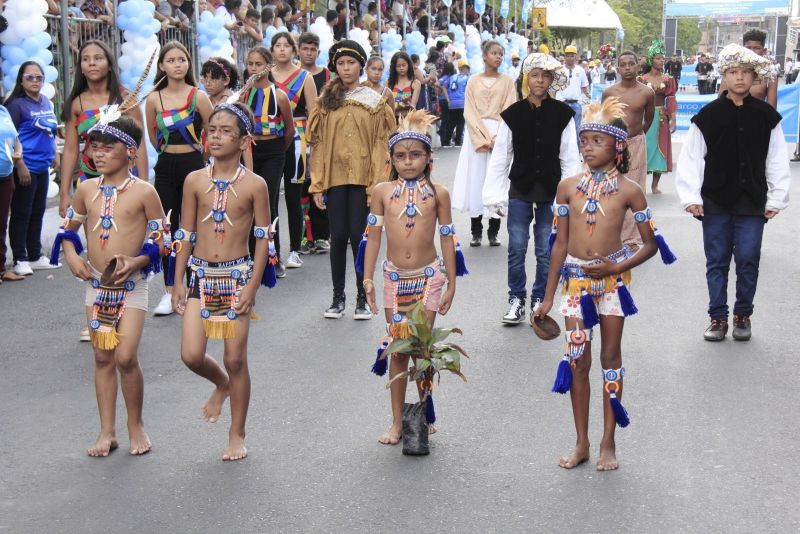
33 78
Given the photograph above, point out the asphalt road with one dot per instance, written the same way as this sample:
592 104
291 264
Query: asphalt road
708 450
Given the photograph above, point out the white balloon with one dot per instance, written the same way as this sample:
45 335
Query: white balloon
49 90
52 189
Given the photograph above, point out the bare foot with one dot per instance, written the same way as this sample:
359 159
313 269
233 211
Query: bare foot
392 436
656 190
140 441
103 446
235 449
213 406
431 429
608 458
576 457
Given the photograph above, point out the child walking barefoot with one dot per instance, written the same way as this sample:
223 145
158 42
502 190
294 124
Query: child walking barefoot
213 240
119 210
594 268
412 206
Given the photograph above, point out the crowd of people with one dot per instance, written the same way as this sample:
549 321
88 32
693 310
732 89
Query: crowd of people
532 149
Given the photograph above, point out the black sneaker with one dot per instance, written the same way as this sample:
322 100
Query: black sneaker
476 241
716 331
362 313
308 247
337 308
516 312
741 328
493 241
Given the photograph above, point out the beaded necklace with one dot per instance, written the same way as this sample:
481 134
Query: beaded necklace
109 195
594 185
411 187
220 202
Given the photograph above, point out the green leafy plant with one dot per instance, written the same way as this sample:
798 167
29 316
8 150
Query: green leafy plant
429 346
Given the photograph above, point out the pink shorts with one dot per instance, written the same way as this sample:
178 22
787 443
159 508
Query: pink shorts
402 288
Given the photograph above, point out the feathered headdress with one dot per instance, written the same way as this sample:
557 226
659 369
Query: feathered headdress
109 114
548 63
737 56
655 49
414 126
599 116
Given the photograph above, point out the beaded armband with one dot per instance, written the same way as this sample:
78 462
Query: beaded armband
263 232
560 210
446 230
182 235
374 220
72 215
643 216
646 216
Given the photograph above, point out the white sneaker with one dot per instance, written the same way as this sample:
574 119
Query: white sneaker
164 306
293 261
42 264
23 268
84 335
535 305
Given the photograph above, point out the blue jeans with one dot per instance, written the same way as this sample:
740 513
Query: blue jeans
576 107
738 236
520 215
27 212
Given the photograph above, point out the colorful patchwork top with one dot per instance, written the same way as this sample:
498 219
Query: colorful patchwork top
86 120
293 87
186 121
264 104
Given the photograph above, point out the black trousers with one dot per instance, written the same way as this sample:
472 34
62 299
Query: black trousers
477 226
268 160
445 131
456 122
171 171
347 216
292 192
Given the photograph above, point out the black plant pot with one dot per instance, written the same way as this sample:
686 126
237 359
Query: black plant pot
415 430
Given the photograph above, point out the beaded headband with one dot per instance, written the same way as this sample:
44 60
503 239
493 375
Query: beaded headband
116 133
401 136
617 133
343 50
219 64
243 118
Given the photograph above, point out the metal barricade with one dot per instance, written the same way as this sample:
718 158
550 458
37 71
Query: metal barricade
241 44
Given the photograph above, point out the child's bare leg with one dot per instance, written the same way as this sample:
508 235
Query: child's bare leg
610 358
131 379
579 395
656 178
105 385
193 354
398 363
239 379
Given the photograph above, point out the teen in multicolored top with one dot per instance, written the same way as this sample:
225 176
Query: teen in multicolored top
96 85
177 113
298 84
273 132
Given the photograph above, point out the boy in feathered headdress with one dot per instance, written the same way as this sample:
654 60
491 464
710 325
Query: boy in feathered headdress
594 269
733 175
125 231
411 207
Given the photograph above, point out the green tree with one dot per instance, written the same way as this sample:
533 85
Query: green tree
641 20
689 34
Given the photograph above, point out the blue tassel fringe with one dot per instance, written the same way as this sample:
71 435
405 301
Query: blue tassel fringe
170 278
69 235
381 364
362 250
430 412
461 263
153 253
269 278
589 311
620 414
666 254
626 300
563 381
550 242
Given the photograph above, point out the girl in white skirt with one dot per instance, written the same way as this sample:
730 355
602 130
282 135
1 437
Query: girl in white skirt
487 95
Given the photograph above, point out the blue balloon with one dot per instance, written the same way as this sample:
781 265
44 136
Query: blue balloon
43 39
50 74
123 22
8 83
16 55
30 46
